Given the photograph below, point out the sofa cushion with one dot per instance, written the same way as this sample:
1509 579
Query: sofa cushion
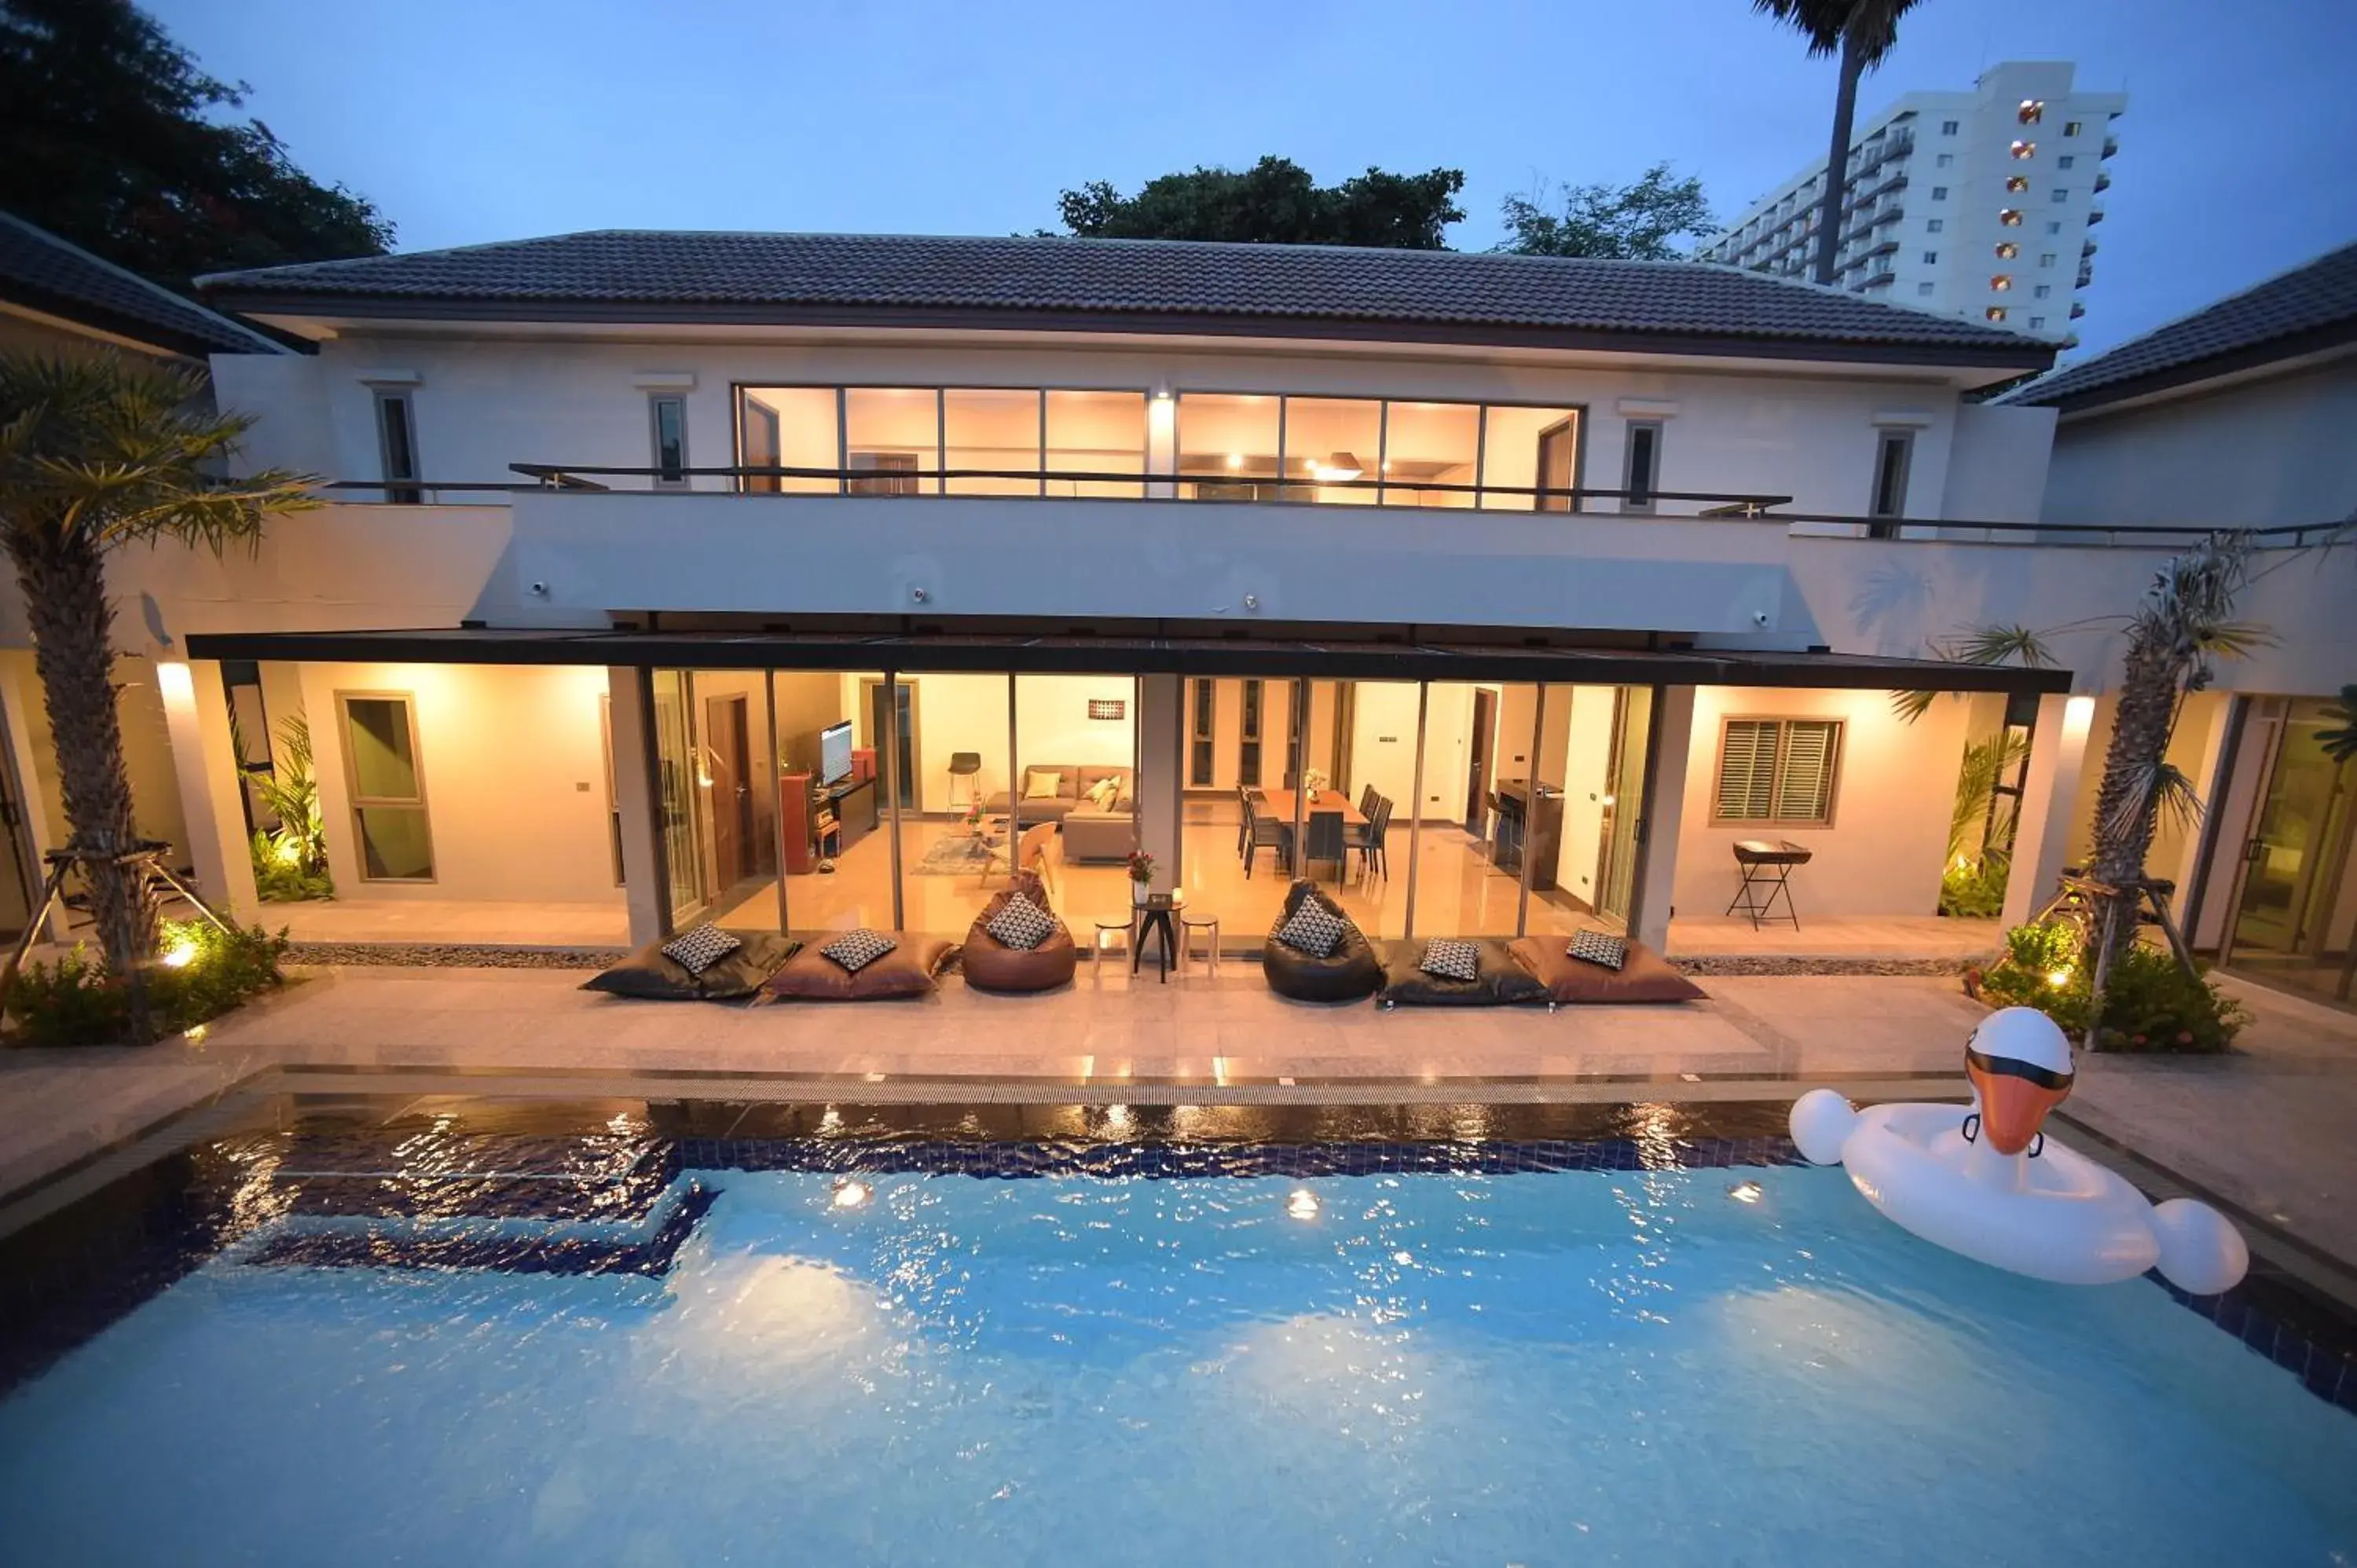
1643 976
652 975
908 969
1314 929
1598 947
1042 784
700 947
1021 924
1446 957
856 949
1497 979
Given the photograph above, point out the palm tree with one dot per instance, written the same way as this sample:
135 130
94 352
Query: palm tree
98 452
1861 32
2341 744
2185 623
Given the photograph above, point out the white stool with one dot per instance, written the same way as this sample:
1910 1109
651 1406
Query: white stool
1107 926
1187 926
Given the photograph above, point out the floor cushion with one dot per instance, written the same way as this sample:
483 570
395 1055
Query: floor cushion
908 969
1351 972
1644 976
1498 981
654 975
990 964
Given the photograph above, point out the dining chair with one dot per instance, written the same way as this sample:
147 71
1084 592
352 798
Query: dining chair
1260 831
1368 839
1326 843
1367 801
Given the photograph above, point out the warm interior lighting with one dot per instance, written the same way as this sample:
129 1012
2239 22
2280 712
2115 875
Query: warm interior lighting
2000 283
1235 459
1339 466
2016 183
180 955
2031 111
2010 217
1745 1192
850 1192
2025 150
1996 313
2007 250
1302 1204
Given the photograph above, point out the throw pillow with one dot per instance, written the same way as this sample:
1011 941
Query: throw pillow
1039 786
698 949
1313 928
1103 793
854 950
1596 947
1452 959
1021 924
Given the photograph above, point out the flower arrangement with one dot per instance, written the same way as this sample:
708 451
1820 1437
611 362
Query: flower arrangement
1314 780
1141 867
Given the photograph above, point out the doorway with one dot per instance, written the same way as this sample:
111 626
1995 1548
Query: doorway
902 726
1558 456
17 878
2297 900
1616 867
729 744
1477 775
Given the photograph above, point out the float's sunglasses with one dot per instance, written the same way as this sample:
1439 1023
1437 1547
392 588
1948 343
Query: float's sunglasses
2006 1066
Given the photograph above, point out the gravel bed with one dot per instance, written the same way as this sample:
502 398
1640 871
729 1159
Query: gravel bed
452 955
1732 964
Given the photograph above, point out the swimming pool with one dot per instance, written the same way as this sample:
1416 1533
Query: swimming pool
1459 1363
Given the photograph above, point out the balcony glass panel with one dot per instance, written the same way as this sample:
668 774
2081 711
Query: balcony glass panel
1227 446
1427 443
1329 441
791 427
991 430
1530 448
1096 432
890 435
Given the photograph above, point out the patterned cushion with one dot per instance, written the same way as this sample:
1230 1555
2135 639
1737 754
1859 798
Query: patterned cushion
854 950
1597 947
1022 924
1314 930
1452 959
698 949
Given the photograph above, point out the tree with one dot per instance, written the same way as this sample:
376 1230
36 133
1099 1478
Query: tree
1861 32
113 144
1634 222
1274 202
96 452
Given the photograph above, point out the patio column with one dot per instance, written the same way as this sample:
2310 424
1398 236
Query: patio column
2057 754
1161 713
642 872
205 766
1662 816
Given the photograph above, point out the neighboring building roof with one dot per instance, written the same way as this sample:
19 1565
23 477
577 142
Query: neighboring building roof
1126 286
43 273
2298 313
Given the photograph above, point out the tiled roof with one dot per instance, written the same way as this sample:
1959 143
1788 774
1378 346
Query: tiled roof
747 277
43 273
2278 319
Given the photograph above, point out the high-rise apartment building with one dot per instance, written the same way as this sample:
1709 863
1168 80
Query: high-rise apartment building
1975 204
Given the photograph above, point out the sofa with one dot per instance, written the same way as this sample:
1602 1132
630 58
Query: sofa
1351 972
1071 781
991 965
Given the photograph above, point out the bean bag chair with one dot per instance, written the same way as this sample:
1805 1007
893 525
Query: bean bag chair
1643 976
1350 971
651 974
908 969
992 965
1499 980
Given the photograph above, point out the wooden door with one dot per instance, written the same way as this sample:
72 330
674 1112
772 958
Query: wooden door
1476 776
731 761
1557 465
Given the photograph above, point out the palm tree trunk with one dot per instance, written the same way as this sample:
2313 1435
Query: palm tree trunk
2126 816
73 651
1829 211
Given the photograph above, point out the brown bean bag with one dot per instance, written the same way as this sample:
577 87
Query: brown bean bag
652 975
906 970
991 965
1499 982
1646 976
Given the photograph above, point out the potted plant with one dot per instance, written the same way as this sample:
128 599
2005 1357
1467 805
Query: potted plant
1141 877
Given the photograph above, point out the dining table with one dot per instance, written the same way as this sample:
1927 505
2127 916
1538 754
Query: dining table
1278 803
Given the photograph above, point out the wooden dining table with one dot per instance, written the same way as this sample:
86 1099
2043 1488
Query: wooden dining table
1278 803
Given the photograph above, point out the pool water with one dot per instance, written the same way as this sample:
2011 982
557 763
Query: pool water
1599 1367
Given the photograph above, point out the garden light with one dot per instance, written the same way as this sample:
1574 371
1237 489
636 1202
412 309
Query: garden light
180 954
2058 977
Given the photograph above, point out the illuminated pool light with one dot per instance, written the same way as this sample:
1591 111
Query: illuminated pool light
850 1192
1302 1204
1745 1192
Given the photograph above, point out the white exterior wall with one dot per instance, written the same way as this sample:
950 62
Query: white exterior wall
2259 453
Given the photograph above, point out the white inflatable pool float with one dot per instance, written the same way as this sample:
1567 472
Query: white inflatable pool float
1987 1182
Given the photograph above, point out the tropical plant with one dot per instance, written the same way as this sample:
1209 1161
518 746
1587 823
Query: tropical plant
2184 624
1634 222
1274 202
206 971
2150 1001
1977 644
2341 744
1860 32
96 452
290 861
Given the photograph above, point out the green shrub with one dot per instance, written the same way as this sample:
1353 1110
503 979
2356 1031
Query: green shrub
75 1002
1975 890
2150 1003
285 873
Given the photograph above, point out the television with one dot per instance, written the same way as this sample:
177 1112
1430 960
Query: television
835 753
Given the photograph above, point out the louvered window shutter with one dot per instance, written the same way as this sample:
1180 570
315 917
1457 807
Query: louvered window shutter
1746 770
1805 784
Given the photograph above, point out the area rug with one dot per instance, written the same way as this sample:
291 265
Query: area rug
960 856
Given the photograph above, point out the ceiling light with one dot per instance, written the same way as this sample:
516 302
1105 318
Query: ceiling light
1341 466
1302 1204
1235 459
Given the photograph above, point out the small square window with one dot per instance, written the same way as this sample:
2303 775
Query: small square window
2052 227
2065 161
2000 283
1931 258
1934 225
2007 250
2042 290
1947 127
1944 159
2036 323
1923 288
2070 128
1939 193
2062 196
2045 258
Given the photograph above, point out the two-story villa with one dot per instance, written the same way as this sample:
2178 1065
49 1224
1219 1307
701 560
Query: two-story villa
746 576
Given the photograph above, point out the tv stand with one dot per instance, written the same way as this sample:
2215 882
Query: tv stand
819 820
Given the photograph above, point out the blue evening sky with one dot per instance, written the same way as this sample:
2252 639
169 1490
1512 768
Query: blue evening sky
475 119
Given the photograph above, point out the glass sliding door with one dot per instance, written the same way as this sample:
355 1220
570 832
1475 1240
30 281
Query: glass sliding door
2297 901
1623 803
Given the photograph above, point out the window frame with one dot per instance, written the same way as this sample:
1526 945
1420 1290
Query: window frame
400 488
1783 723
355 803
1651 489
667 477
1203 733
739 402
1888 439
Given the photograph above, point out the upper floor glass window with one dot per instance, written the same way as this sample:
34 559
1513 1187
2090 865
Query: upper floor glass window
667 418
2070 128
2025 150
900 440
2031 111
1947 127
396 429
